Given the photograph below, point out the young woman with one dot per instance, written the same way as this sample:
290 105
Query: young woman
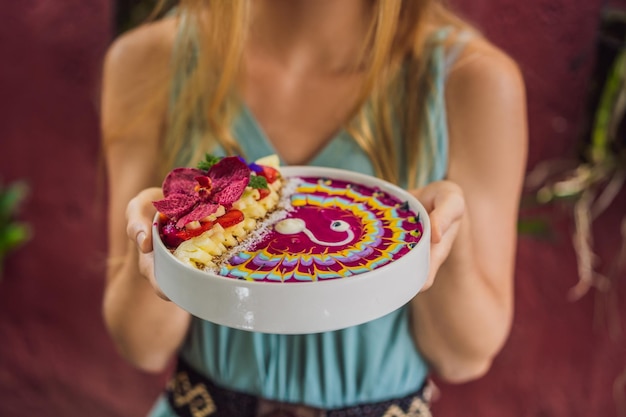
401 89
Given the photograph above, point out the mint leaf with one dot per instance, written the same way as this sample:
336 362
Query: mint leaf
209 161
258 182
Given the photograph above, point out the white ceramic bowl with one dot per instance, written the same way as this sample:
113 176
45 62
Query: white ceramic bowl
302 307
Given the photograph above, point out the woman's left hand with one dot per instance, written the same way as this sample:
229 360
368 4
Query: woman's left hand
445 204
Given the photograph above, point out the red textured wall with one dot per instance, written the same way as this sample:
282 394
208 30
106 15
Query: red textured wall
558 361
55 358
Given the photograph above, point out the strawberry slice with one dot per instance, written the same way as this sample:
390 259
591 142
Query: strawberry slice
231 218
189 233
263 192
172 236
269 173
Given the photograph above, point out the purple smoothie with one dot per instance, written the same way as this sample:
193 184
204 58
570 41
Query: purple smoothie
336 229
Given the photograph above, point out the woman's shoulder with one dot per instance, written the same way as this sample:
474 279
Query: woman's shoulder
481 67
486 100
135 80
144 50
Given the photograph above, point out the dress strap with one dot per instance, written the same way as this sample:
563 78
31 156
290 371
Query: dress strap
447 46
454 52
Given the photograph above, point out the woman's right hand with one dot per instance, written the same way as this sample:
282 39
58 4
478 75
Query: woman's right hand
139 217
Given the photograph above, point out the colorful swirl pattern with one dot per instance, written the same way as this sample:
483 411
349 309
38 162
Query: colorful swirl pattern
336 229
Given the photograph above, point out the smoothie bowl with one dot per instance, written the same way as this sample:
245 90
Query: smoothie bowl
331 249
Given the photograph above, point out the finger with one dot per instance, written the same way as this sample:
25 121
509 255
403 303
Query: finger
139 215
448 209
429 282
438 254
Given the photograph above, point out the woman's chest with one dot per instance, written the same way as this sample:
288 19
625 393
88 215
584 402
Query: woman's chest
299 114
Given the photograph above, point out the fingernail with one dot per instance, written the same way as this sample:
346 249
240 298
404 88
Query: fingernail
141 236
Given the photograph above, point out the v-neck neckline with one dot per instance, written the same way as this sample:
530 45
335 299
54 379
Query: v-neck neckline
250 143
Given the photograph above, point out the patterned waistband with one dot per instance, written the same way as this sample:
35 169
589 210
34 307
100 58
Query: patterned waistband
190 394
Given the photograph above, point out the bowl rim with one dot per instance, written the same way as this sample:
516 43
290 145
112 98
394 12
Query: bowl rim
332 173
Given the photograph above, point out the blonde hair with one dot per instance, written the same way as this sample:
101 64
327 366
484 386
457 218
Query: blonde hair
209 54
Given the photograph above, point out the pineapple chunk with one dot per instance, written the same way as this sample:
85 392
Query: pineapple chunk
193 225
270 201
275 186
271 161
220 212
250 207
193 255
238 230
249 224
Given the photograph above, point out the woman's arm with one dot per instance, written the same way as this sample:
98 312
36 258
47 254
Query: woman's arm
147 329
463 320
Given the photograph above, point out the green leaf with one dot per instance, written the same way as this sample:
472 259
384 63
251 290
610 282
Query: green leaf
13 235
209 161
534 227
11 198
258 182
610 93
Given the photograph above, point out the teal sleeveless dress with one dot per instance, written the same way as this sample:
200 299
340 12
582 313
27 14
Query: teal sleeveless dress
371 362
